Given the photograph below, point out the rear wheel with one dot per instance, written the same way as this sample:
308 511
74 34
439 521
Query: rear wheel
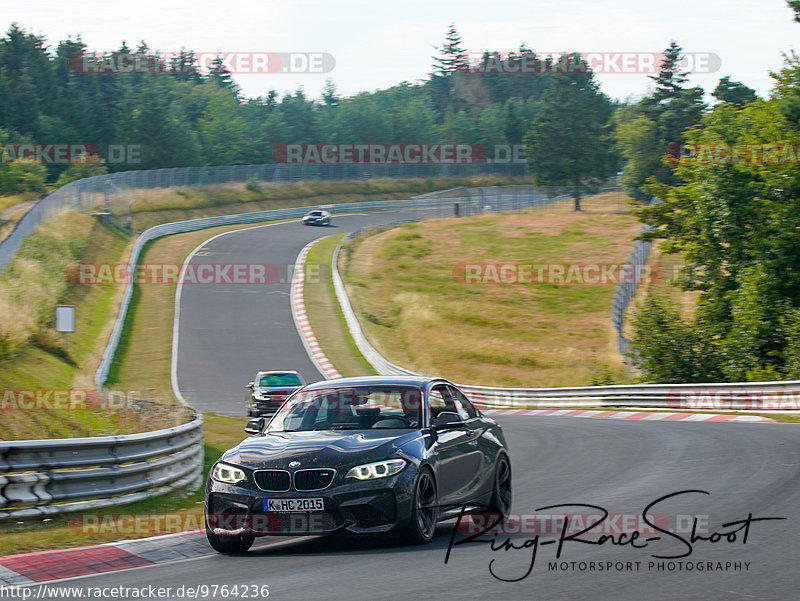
501 495
425 510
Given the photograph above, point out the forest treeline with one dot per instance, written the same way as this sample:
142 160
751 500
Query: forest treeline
724 164
178 114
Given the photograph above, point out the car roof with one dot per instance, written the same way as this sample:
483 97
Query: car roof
415 381
277 371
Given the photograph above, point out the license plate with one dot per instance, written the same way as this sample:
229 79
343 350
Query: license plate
294 505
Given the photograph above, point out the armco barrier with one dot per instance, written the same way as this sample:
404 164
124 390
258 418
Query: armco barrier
784 395
499 198
40 478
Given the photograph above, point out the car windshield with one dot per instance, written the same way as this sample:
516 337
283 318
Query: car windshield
279 380
316 213
352 408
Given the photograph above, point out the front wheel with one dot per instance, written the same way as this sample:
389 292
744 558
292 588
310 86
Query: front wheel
229 544
501 494
425 510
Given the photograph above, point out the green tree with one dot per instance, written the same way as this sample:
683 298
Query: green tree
795 6
161 129
221 75
568 143
223 131
17 177
737 229
661 118
452 55
734 92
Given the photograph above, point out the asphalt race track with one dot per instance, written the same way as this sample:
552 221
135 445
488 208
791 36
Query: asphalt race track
229 332
621 466
749 470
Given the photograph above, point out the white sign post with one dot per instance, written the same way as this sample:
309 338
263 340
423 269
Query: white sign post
65 320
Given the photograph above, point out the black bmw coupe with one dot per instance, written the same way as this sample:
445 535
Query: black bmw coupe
359 455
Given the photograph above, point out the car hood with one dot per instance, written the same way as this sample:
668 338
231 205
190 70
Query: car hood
318 448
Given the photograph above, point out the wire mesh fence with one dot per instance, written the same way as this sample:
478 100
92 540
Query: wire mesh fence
114 192
626 290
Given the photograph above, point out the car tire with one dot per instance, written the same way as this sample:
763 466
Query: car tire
424 511
229 544
501 492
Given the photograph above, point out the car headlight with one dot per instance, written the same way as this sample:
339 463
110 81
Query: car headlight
227 473
379 469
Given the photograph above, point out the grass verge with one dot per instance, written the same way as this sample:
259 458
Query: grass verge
325 314
418 310
12 209
36 357
173 204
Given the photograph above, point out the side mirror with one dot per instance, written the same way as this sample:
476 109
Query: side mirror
255 426
250 385
448 419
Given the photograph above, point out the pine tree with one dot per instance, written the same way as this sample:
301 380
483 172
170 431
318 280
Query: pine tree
220 75
568 142
329 95
734 92
452 55
670 79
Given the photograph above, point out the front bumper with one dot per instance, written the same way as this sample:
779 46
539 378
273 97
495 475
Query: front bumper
358 507
260 408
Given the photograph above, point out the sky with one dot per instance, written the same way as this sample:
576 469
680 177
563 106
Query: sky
374 45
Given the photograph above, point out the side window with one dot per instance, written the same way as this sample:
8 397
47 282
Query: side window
464 407
437 401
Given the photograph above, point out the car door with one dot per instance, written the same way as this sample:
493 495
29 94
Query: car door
454 451
478 448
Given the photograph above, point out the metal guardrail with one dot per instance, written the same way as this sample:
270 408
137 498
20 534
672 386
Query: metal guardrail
714 396
517 198
40 478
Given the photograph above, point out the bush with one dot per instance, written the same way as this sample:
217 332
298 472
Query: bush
667 349
253 185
